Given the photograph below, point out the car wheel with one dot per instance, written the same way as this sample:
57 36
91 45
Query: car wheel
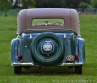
17 70
78 69
47 49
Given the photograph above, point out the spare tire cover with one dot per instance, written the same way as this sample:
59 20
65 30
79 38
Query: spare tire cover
47 49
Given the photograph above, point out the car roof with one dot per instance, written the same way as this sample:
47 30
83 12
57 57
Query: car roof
70 17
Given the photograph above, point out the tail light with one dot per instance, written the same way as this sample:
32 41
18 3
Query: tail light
76 56
19 57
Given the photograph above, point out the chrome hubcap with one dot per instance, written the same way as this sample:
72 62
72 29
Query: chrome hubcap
47 46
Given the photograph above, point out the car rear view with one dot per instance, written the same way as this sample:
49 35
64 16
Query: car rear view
48 37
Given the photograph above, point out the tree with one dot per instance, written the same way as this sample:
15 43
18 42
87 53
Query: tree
5 5
83 5
50 3
28 3
23 4
72 3
94 3
75 3
15 4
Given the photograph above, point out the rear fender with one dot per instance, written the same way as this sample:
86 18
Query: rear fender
14 50
81 50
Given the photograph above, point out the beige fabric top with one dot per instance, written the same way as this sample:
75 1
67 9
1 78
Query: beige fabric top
26 16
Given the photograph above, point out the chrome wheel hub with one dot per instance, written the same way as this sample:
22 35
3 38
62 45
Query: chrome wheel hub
47 47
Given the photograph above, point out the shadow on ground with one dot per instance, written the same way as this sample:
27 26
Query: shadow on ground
48 71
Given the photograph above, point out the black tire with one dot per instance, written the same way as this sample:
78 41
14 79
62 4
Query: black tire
78 69
17 70
43 60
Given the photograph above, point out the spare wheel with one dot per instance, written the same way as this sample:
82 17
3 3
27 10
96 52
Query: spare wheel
47 49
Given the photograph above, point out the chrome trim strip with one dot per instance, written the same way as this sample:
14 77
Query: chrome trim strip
31 64
22 64
72 64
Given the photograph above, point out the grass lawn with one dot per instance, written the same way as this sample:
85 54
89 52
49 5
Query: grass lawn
59 75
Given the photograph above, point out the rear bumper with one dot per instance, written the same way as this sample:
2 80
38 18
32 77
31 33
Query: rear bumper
22 64
31 64
72 64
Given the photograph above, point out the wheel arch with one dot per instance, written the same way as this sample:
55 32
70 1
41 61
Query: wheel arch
81 50
14 50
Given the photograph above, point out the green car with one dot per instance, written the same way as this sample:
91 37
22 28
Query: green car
48 37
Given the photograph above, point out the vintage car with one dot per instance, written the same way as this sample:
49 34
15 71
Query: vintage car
48 37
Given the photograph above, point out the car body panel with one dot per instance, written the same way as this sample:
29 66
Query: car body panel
71 47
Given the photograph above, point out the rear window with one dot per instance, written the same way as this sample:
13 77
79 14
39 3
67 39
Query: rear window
48 22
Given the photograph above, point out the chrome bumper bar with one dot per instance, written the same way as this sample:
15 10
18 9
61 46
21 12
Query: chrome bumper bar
31 64
22 64
72 64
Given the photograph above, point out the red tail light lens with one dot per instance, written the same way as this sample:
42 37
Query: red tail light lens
19 57
76 56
